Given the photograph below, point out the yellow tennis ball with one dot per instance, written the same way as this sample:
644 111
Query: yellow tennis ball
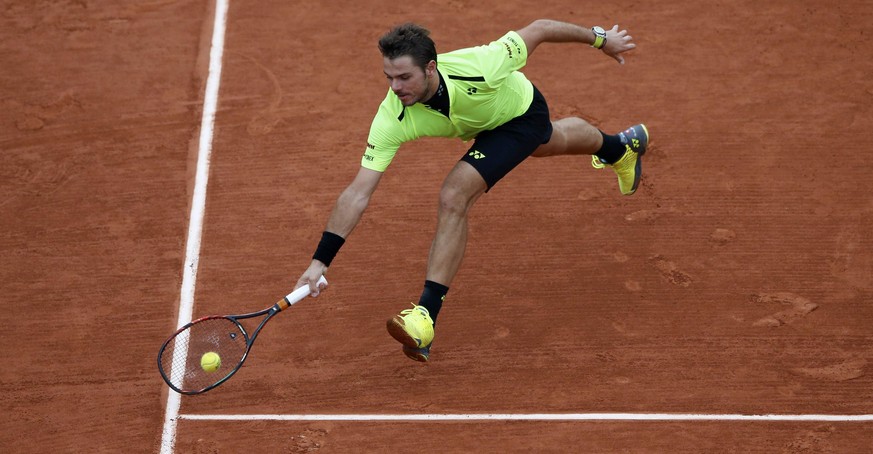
210 362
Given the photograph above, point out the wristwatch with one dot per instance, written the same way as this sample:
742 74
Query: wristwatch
599 37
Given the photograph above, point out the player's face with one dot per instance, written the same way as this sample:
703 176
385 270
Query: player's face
407 80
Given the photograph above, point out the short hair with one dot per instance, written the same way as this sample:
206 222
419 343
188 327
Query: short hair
408 39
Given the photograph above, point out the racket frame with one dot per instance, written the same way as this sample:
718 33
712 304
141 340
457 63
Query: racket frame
289 300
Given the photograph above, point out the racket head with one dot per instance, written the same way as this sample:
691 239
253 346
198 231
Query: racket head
180 355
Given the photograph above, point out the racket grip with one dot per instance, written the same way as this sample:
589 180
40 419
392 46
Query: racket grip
297 295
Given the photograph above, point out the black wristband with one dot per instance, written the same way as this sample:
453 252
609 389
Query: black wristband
327 248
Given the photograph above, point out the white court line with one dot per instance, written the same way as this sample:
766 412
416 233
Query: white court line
535 417
198 206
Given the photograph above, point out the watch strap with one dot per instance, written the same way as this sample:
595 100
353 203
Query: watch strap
599 37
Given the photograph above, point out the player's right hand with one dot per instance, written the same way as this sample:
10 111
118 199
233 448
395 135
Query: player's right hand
310 277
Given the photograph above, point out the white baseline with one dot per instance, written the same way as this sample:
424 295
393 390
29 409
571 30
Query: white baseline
534 417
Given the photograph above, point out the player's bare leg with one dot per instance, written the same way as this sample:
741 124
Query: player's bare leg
571 136
461 188
414 327
622 152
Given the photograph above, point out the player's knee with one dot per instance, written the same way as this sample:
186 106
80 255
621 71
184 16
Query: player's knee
556 145
451 201
454 201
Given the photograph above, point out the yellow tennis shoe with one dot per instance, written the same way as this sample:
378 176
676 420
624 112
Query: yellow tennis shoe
413 328
630 167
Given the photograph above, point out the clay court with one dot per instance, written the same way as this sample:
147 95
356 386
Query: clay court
725 307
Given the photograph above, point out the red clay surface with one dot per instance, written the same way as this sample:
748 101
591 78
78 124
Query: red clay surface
737 280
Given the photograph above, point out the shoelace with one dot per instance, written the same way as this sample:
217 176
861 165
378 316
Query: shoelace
415 308
598 164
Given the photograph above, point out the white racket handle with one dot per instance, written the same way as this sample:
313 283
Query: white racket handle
302 292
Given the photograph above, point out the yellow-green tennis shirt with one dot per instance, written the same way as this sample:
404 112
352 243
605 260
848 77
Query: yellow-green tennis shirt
485 90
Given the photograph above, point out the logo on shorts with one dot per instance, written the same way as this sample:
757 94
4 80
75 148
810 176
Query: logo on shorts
476 154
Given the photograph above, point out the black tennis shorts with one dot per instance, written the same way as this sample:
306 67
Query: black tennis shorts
496 152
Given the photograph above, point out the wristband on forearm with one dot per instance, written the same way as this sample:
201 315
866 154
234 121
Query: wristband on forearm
327 248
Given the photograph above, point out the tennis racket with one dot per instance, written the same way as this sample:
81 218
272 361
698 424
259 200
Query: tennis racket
179 360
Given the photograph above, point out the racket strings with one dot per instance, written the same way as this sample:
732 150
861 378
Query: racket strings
181 359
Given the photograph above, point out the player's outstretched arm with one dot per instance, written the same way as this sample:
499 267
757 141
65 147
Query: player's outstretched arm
346 215
551 31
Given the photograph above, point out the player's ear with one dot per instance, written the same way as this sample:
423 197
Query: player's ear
430 68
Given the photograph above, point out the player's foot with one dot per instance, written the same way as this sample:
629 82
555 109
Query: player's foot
630 167
418 354
412 327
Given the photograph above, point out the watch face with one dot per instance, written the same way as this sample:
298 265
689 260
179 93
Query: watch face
598 30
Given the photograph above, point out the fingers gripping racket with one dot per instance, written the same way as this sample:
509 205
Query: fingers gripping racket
187 360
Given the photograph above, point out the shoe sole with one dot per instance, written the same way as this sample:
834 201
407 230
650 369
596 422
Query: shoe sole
415 354
638 168
397 330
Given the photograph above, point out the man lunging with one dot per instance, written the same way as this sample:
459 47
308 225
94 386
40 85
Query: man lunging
474 94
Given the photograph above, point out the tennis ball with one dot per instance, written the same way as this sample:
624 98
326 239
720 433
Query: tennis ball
210 362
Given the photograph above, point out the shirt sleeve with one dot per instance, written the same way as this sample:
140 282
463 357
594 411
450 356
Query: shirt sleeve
383 141
500 58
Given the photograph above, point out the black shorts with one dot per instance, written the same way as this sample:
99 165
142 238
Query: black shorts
496 152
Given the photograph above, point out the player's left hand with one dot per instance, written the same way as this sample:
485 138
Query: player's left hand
617 42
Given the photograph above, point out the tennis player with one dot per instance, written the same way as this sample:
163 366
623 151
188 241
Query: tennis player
476 94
